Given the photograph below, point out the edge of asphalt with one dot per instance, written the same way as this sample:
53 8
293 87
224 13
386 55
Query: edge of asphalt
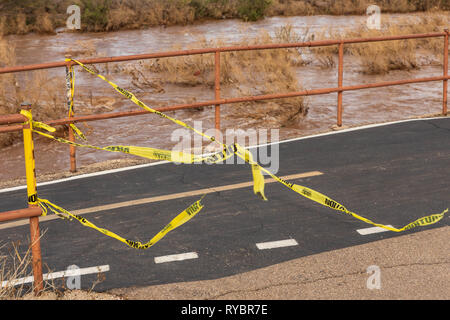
411 267
124 165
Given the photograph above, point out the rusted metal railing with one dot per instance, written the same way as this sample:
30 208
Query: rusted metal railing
444 99
13 123
33 211
218 101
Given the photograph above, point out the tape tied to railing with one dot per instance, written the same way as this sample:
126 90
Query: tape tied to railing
186 158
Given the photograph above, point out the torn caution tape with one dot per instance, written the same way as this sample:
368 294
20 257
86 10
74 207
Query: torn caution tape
141 104
176 222
145 152
175 156
257 174
70 89
258 178
330 203
167 155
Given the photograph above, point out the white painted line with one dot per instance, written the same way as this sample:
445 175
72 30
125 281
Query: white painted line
160 198
87 175
328 133
176 257
276 244
372 230
59 274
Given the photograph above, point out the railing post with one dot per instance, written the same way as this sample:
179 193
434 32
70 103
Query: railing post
69 83
72 151
340 83
217 90
32 202
445 95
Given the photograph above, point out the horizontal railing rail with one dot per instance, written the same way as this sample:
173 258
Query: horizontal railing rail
112 115
20 214
317 43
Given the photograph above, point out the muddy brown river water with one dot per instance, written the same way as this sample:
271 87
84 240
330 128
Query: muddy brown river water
360 107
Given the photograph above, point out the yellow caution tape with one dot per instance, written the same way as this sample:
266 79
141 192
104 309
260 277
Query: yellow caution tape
145 152
70 83
188 158
138 102
30 165
70 87
36 124
149 153
258 179
78 132
330 203
257 176
179 220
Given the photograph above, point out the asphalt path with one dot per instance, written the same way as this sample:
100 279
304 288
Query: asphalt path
391 174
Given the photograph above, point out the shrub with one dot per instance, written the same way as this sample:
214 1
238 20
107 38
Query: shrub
253 10
94 14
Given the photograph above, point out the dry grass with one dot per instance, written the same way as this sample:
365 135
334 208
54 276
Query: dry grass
382 57
13 266
16 265
43 16
351 7
44 23
243 73
139 14
36 87
144 13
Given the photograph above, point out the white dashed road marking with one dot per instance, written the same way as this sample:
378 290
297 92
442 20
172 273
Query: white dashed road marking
276 244
372 230
176 257
56 275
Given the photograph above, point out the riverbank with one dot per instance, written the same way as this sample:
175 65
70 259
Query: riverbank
47 16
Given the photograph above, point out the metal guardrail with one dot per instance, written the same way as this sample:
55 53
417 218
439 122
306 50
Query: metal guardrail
10 122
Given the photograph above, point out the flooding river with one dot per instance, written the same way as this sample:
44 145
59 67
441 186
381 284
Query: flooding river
360 107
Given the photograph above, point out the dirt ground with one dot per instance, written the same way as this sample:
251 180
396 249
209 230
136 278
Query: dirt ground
412 267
